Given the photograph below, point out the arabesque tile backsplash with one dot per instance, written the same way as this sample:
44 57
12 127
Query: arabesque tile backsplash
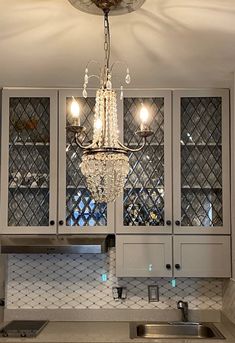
86 281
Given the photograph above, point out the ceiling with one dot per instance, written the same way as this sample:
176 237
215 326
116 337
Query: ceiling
167 43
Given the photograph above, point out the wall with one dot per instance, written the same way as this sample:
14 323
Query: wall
229 300
2 283
229 286
75 282
232 97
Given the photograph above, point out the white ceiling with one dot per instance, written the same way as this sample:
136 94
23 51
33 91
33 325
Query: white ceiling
167 43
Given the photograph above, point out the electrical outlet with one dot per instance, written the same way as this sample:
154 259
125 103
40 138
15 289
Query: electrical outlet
153 293
119 293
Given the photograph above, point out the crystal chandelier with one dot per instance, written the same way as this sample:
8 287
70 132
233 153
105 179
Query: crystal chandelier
105 161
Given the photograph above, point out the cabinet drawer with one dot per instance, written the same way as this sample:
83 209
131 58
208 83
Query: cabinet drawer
143 256
197 256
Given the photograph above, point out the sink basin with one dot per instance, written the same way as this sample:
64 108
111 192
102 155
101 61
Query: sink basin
175 330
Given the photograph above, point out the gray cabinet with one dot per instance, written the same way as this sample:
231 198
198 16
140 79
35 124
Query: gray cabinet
202 256
143 256
185 162
190 256
78 213
201 201
42 188
179 185
146 204
29 162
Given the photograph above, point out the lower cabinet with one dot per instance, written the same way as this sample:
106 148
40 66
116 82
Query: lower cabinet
188 256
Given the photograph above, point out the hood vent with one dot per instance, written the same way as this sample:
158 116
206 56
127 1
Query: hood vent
43 244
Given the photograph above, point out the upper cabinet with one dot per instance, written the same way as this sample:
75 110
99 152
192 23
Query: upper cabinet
201 162
146 204
29 162
185 162
40 168
178 183
78 212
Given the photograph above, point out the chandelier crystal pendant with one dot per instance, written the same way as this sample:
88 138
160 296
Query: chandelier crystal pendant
105 161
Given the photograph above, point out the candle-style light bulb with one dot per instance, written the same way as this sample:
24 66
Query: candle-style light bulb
75 111
144 115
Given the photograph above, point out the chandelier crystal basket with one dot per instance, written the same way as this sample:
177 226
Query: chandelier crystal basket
105 161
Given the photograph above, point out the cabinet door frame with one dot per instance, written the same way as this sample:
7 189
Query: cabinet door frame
8 93
120 228
145 240
180 240
177 95
64 229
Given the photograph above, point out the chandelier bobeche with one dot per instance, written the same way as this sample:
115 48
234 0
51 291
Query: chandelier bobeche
105 162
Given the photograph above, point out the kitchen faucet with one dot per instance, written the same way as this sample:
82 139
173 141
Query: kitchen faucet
183 306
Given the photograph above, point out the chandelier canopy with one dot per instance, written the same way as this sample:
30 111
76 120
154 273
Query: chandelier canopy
105 161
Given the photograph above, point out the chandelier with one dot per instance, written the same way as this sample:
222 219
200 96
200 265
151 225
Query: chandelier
105 161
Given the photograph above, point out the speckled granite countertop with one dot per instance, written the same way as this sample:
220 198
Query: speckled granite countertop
87 332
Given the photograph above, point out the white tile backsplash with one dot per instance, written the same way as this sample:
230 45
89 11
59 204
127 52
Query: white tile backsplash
75 282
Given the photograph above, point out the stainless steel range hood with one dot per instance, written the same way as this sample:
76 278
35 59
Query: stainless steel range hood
39 244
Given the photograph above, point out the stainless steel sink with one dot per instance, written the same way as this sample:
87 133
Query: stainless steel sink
175 330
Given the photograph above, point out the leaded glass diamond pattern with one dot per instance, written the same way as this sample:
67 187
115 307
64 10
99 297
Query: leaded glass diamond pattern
202 207
144 189
81 209
201 162
29 161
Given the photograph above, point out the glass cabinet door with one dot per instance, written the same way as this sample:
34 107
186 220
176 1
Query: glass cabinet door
201 162
29 162
146 203
78 212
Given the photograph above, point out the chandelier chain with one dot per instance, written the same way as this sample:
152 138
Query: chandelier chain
106 41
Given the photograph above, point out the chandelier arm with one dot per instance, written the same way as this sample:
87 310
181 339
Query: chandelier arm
116 63
93 61
84 147
133 150
94 75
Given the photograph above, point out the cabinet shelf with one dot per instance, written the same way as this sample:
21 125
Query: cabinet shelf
185 188
147 144
28 188
74 187
42 144
139 188
200 144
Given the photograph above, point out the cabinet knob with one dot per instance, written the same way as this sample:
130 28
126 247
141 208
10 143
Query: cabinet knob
52 222
168 266
177 222
177 266
61 222
168 222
